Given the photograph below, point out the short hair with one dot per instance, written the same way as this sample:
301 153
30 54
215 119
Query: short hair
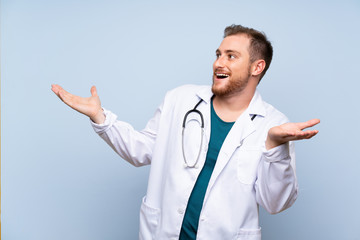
260 46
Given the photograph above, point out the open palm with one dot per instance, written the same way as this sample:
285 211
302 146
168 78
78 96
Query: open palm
89 106
290 132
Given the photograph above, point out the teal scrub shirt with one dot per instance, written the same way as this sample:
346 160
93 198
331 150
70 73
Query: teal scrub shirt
219 131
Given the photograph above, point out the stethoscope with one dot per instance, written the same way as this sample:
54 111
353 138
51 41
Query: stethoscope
194 110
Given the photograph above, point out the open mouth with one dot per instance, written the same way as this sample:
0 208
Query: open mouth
221 75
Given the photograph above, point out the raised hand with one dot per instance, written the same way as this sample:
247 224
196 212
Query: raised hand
290 132
89 106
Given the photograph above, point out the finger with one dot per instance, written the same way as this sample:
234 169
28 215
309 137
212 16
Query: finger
93 91
58 89
306 134
309 123
55 88
66 97
61 94
312 134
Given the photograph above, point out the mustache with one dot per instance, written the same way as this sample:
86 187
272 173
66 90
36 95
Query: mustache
218 70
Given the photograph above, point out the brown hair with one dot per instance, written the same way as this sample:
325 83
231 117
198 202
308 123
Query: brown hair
260 46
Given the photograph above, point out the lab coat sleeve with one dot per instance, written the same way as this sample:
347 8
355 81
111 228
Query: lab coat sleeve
134 146
276 185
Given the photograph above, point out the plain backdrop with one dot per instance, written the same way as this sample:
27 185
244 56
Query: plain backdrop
61 181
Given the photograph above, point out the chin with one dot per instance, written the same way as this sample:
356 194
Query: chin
219 88
228 89
219 91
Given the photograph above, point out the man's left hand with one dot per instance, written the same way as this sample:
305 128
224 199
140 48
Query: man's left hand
290 132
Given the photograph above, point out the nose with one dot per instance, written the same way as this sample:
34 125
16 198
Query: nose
219 62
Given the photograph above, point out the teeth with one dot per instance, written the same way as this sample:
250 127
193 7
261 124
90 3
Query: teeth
221 75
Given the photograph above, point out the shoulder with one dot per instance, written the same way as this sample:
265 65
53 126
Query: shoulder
273 115
268 112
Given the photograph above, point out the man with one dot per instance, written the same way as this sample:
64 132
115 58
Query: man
207 183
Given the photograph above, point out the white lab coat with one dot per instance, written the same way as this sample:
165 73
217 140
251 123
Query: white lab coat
245 174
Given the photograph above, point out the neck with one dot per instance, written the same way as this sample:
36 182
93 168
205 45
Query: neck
231 106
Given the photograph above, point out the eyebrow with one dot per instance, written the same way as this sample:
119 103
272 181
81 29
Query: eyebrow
227 51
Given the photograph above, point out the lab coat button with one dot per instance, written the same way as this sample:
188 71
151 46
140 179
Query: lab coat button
181 211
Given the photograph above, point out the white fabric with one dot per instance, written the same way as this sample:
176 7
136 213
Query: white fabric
245 174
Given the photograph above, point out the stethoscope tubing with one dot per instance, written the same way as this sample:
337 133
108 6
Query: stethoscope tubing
194 110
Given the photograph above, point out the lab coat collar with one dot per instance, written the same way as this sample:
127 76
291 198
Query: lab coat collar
205 94
256 105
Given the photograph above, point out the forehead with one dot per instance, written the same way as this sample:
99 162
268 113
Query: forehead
238 42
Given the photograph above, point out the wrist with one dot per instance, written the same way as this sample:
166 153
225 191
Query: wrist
99 118
270 143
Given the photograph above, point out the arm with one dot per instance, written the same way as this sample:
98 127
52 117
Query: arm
276 186
134 146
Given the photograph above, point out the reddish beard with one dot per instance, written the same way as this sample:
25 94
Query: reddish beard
232 86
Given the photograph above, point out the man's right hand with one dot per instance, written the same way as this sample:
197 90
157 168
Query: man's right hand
89 106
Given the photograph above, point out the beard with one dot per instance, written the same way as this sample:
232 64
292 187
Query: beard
232 86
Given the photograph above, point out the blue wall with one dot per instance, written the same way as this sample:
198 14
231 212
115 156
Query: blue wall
61 181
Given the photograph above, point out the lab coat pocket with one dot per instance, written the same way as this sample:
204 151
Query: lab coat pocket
149 220
247 164
249 234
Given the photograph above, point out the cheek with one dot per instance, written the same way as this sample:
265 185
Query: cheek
240 68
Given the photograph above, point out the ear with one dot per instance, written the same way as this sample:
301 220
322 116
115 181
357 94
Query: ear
257 67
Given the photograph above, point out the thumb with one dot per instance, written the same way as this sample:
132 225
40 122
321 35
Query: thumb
93 91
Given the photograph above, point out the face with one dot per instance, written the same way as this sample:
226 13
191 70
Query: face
232 66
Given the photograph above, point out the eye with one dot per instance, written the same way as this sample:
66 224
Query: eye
217 55
231 56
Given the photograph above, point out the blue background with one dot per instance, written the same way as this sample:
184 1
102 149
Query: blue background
61 181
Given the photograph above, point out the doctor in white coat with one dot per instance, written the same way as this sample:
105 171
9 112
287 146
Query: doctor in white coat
254 163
